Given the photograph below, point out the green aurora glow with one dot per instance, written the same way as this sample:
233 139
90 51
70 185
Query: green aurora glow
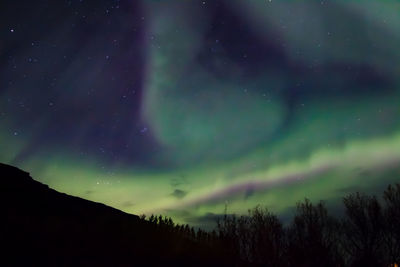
230 132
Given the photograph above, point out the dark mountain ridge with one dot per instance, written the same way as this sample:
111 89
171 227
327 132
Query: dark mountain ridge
44 227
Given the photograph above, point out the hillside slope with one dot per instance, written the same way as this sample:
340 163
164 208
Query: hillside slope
46 227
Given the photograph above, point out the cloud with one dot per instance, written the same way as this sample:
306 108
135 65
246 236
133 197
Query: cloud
179 193
207 221
181 180
349 189
249 193
128 204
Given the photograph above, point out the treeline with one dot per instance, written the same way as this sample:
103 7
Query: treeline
368 234
165 224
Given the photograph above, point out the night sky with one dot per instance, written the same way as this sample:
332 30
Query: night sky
183 107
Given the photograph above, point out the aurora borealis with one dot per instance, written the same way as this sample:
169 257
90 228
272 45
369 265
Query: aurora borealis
181 107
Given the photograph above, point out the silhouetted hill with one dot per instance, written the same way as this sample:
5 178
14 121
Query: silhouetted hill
44 227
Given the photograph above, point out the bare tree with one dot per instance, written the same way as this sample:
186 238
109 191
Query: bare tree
267 237
363 230
391 197
313 237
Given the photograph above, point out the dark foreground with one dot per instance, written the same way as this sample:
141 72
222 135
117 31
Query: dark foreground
43 227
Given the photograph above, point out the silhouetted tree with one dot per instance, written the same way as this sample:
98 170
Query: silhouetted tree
313 237
267 237
391 197
367 235
363 230
258 237
228 234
